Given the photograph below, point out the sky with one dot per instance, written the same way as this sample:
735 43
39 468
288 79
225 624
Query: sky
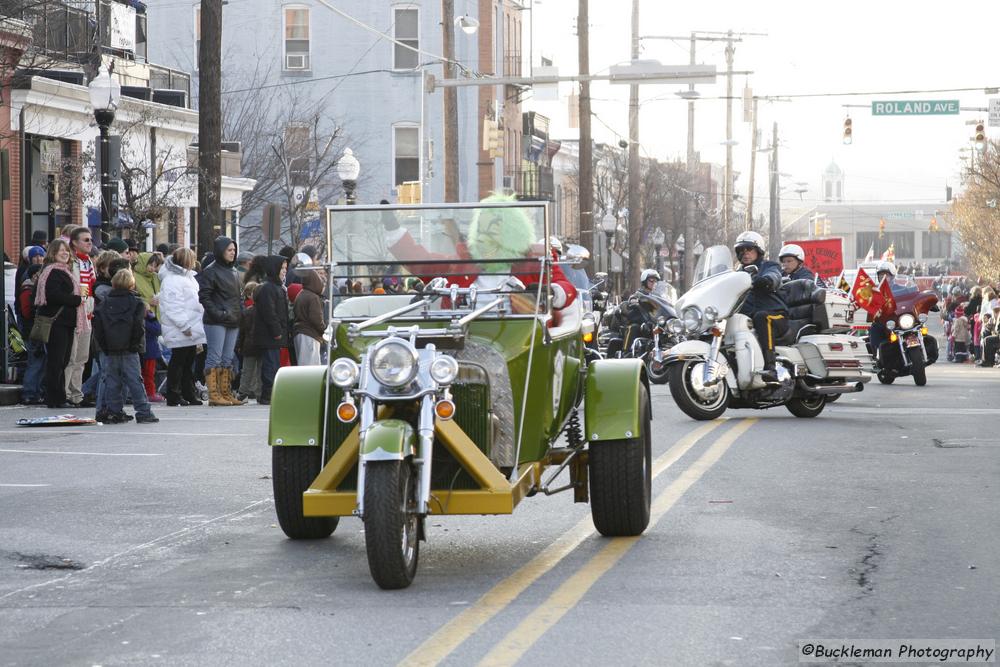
810 47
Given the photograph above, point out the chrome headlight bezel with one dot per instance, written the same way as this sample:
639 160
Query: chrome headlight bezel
344 372
409 360
907 321
444 369
890 325
675 326
691 316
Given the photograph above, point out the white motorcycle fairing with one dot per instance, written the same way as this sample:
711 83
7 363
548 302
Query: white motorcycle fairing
723 292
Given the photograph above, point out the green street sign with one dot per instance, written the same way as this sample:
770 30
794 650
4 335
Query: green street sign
915 108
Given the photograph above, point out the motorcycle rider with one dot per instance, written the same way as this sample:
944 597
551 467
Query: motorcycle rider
648 280
877 332
793 264
763 305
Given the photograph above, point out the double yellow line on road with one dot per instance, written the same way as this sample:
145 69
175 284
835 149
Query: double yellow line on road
443 642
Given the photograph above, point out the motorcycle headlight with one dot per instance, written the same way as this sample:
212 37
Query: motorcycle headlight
344 373
675 326
890 325
711 314
444 369
922 317
907 321
394 363
692 318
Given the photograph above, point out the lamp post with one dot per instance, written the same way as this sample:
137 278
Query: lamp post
608 225
105 93
348 169
658 238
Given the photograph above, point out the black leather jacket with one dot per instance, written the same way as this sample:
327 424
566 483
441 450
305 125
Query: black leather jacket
221 288
764 295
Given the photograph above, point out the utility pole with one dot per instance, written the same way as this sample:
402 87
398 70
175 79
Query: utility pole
687 267
209 124
753 164
774 237
451 166
727 190
635 222
586 183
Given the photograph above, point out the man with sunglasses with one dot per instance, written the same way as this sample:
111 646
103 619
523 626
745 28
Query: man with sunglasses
763 305
82 244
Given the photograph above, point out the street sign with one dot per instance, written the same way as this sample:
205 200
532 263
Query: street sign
995 112
915 108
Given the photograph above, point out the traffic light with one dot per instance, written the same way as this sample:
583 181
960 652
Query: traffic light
881 228
980 137
492 138
934 225
848 138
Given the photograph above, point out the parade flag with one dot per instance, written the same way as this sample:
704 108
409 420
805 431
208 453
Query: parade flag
870 257
890 253
866 294
888 305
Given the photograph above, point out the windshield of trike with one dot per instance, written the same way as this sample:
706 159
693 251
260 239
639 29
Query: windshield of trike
398 250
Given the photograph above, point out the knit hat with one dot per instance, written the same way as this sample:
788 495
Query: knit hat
35 251
117 244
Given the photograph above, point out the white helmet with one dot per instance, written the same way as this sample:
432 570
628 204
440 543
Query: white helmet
886 267
554 244
750 240
647 274
792 250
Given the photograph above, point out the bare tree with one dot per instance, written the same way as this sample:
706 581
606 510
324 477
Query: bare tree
977 213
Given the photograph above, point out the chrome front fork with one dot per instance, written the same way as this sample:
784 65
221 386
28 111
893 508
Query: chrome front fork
709 368
367 419
425 437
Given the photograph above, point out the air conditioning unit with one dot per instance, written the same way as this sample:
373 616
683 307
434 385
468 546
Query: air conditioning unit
296 61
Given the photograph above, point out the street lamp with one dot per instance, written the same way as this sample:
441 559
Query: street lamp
468 24
105 93
658 237
608 225
348 169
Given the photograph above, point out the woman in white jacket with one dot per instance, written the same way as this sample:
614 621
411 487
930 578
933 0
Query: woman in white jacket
181 318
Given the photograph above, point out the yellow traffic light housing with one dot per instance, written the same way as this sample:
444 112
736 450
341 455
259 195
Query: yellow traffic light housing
848 138
980 138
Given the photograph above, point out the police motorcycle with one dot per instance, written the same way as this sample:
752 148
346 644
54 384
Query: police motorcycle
719 364
637 329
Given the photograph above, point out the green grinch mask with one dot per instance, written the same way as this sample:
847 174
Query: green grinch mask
500 233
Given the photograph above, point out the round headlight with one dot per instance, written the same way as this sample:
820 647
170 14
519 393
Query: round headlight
344 373
890 325
675 326
711 314
444 369
922 317
692 318
907 321
394 364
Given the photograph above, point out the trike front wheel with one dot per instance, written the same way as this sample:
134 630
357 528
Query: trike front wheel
392 526
621 479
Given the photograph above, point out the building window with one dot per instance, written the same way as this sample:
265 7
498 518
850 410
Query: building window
296 154
902 243
406 29
197 35
935 245
406 154
296 38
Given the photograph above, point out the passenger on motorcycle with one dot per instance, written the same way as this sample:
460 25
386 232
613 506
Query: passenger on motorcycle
793 264
763 305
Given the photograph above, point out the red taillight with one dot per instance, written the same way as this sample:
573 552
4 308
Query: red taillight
837 347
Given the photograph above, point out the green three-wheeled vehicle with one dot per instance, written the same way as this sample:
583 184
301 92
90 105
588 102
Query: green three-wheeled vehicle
458 381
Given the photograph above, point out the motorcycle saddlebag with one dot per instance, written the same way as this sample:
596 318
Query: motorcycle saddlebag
834 313
829 356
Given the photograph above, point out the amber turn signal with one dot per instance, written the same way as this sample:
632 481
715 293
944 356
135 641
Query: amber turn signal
923 330
893 338
444 409
588 337
346 412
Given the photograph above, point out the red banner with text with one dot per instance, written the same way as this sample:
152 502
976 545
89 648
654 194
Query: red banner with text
824 257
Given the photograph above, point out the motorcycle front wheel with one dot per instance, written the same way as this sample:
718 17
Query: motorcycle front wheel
917 368
392 526
692 396
657 371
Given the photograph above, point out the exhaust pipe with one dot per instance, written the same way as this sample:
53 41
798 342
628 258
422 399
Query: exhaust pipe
830 390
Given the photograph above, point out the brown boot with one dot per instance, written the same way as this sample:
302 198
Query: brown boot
212 381
226 387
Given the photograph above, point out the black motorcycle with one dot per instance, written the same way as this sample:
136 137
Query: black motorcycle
636 329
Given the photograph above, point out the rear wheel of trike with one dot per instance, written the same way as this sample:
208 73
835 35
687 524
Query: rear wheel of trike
392 526
293 469
621 479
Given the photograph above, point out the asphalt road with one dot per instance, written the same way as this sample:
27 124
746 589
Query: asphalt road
140 545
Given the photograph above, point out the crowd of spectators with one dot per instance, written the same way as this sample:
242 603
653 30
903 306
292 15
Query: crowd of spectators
969 313
918 269
161 327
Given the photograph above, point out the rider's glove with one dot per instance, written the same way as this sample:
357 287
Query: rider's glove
761 282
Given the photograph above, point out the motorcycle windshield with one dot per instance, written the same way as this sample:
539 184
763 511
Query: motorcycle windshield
715 260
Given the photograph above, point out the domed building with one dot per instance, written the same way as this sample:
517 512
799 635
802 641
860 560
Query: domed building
833 183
